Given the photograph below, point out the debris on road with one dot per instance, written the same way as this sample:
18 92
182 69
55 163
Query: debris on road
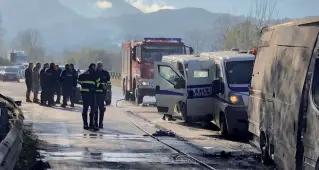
162 133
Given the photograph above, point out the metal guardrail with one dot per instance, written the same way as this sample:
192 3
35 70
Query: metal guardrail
115 75
11 145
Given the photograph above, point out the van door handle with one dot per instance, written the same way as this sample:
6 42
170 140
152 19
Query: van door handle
157 88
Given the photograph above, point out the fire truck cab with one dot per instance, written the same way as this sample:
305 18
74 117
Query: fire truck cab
138 59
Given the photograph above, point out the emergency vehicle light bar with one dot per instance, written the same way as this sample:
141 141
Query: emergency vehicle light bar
163 39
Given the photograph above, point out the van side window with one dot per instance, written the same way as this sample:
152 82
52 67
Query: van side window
168 74
180 68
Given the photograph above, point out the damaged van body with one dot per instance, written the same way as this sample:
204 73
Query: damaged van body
283 110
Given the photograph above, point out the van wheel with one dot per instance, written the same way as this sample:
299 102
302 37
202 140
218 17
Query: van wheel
223 127
264 147
186 118
317 165
138 100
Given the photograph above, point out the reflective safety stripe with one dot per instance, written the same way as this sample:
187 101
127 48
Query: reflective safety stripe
98 80
86 82
87 90
99 91
98 84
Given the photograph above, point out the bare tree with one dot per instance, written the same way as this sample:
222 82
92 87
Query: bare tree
196 39
263 13
31 42
246 35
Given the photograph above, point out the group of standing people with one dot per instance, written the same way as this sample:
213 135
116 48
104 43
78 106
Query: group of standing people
94 83
51 79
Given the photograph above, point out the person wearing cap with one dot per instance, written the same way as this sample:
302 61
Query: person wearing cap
88 81
102 85
50 83
42 84
75 79
28 81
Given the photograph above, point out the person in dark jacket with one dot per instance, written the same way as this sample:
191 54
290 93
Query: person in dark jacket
67 81
42 84
75 76
102 85
28 81
50 83
88 81
58 85
36 82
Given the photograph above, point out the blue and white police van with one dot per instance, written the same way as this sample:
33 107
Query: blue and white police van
185 81
231 87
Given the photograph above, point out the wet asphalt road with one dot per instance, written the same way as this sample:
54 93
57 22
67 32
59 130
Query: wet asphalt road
120 145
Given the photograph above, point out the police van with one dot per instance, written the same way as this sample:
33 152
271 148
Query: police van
185 81
233 74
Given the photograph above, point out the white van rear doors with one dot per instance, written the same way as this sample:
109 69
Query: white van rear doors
169 86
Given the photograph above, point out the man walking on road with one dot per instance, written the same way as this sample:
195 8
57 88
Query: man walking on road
102 85
67 81
75 76
50 83
36 82
58 85
42 84
88 84
28 81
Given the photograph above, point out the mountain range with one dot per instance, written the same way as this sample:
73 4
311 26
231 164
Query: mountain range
72 24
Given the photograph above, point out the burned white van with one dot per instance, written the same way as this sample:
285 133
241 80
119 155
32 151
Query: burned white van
283 108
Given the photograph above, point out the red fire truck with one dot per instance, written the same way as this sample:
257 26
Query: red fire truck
138 64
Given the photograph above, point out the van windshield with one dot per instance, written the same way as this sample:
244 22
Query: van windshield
239 72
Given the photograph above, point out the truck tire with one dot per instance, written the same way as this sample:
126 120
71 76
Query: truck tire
126 94
187 119
139 100
223 126
264 147
138 97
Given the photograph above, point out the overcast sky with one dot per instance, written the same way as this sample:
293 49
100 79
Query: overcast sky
286 8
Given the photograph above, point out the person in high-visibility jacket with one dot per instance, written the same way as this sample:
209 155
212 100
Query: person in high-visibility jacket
88 81
102 85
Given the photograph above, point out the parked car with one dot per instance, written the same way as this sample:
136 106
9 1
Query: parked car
9 73
22 68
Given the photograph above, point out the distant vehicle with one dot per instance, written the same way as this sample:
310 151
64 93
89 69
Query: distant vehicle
138 64
108 97
22 70
9 73
62 67
283 109
17 57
